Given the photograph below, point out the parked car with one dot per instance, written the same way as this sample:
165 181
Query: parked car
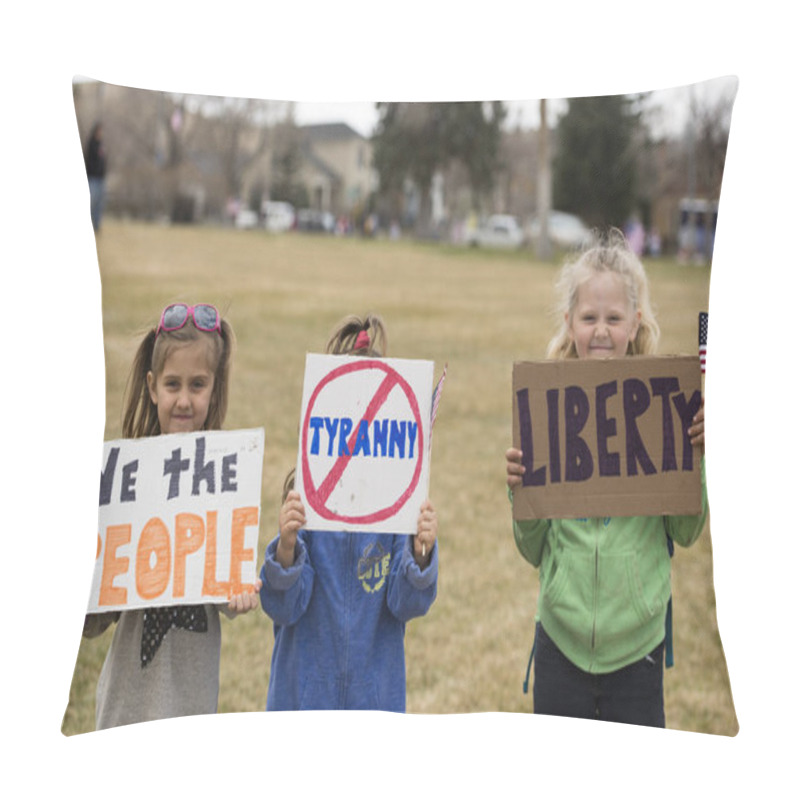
246 218
697 227
309 219
278 216
565 230
499 230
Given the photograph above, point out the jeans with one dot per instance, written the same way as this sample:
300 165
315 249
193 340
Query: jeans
97 191
633 694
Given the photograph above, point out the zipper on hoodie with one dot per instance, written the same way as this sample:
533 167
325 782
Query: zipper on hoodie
596 579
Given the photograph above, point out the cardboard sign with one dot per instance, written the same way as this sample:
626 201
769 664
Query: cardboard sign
606 438
363 461
178 520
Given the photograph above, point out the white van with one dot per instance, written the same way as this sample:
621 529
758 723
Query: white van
278 216
697 227
500 230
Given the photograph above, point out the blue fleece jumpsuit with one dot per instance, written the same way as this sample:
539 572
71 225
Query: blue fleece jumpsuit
340 612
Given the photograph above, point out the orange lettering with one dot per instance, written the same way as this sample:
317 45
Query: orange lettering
189 536
116 535
211 586
242 517
152 581
99 546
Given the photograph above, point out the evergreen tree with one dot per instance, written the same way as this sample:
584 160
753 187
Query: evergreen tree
594 170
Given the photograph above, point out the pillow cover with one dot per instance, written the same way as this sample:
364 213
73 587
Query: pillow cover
241 203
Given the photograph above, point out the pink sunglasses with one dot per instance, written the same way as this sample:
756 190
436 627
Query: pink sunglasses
175 316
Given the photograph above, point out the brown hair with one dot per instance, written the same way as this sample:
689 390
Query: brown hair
140 417
288 484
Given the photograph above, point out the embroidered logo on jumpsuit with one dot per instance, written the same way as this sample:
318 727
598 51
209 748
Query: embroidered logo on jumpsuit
373 567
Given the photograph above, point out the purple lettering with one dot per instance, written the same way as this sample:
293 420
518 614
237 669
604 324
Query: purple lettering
555 445
687 410
636 400
578 457
531 477
607 463
663 388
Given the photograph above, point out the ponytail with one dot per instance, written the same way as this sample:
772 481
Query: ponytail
356 336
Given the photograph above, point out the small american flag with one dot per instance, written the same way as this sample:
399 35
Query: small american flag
702 339
437 396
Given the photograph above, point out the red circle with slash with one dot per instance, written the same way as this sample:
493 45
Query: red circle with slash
317 496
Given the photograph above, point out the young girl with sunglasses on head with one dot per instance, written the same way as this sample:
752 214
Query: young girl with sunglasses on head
600 633
340 601
164 662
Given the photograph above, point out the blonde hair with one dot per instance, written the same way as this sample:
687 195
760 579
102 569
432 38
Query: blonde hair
610 253
140 417
344 337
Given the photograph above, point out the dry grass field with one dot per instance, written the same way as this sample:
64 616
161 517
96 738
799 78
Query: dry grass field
474 310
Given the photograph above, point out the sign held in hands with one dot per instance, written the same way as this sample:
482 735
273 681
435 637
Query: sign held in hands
606 438
178 519
363 460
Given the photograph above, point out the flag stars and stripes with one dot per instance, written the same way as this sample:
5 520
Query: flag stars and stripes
702 339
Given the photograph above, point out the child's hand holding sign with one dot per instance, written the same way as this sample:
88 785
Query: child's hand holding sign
291 519
427 525
244 602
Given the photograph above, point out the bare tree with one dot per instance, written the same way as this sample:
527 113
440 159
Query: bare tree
706 148
544 186
239 129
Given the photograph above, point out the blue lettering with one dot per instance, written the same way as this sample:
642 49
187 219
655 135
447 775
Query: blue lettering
315 423
362 439
330 426
388 438
412 437
344 431
397 436
380 430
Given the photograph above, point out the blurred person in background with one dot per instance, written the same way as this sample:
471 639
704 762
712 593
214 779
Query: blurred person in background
95 158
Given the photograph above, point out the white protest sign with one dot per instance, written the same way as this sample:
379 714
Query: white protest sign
178 519
363 460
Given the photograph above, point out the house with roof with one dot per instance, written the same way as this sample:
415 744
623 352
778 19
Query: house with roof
337 167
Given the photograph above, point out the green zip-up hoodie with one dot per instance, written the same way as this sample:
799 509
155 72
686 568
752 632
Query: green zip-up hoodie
605 583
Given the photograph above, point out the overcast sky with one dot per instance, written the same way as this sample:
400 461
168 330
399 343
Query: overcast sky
670 108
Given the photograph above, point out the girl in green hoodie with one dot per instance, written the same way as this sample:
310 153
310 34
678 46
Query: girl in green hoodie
604 583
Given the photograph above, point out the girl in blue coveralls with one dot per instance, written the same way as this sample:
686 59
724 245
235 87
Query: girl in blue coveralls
340 601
